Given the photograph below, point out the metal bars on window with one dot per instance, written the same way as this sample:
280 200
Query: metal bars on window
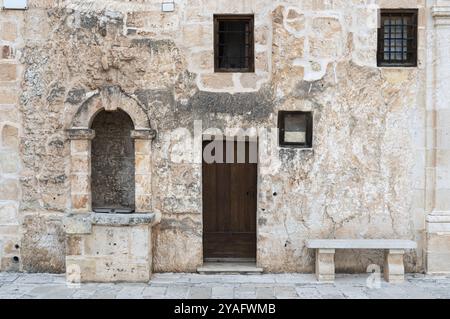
397 38
234 43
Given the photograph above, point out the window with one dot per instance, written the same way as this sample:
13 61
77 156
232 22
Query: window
233 41
15 4
397 38
295 129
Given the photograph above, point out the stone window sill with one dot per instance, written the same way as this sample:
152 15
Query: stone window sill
297 148
82 223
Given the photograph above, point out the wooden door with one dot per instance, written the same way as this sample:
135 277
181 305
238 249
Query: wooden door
229 202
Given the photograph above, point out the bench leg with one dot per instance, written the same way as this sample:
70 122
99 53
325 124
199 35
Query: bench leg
394 269
325 265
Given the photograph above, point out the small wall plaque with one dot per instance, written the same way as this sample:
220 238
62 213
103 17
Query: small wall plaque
15 4
168 6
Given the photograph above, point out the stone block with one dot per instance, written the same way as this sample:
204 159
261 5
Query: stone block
9 163
10 137
8 214
119 248
74 245
78 224
43 243
8 31
80 183
143 147
8 72
9 264
143 164
80 164
81 203
8 96
438 245
217 80
143 203
203 60
143 184
9 190
198 35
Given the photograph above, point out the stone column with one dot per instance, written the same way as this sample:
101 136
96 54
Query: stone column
80 169
438 221
143 169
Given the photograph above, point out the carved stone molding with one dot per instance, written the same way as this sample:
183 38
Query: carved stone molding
148 134
441 15
81 134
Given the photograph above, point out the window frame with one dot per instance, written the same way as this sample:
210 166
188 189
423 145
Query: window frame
251 59
309 115
381 62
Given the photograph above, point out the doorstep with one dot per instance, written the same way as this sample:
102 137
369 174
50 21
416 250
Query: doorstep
243 268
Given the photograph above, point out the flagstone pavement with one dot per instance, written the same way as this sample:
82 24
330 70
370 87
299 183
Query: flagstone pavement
196 286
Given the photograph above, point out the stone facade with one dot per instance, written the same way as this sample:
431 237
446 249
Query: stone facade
379 167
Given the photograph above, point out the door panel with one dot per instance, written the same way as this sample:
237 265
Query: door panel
229 205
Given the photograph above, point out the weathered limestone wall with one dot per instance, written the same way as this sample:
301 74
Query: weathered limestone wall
11 29
364 178
438 142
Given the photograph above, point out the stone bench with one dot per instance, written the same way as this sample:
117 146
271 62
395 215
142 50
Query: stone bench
394 269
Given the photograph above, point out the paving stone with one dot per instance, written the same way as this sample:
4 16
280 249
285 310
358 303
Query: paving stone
16 289
131 292
285 292
245 292
248 279
223 292
179 286
42 289
197 278
265 293
295 279
59 293
177 292
330 292
355 293
200 293
6 277
154 292
83 294
307 293
39 279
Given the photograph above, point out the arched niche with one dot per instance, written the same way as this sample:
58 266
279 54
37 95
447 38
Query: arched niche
82 132
113 161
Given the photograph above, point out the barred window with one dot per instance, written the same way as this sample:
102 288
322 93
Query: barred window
233 41
397 38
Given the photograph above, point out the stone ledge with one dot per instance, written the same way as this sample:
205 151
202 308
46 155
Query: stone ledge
147 134
81 134
361 244
441 15
438 222
440 11
123 219
81 224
